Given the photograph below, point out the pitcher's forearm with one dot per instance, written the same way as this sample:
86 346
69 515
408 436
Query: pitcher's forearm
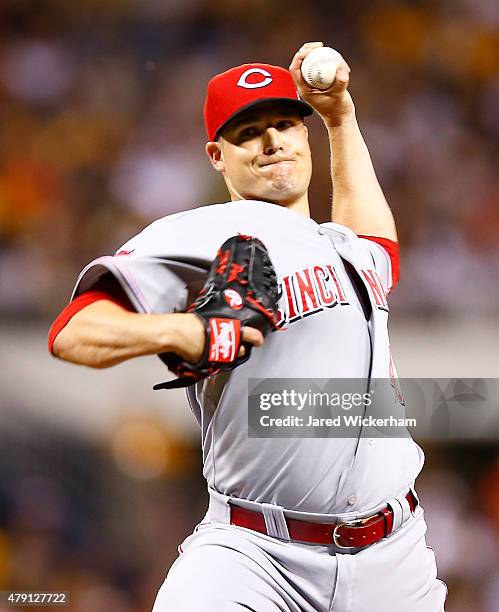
103 335
358 200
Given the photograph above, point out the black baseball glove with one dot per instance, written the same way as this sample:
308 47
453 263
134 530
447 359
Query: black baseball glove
241 289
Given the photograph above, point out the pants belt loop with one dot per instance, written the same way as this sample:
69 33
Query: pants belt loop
397 513
275 521
218 508
406 508
401 511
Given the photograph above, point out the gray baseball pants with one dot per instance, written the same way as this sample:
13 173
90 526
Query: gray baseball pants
224 568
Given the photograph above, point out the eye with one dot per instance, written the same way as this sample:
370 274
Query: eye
284 124
248 133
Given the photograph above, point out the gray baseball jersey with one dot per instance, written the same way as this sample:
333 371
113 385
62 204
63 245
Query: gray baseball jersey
327 336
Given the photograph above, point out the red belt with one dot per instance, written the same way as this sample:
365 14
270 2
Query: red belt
350 534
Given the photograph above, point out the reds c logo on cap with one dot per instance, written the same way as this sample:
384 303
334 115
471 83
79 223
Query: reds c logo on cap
238 88
244 83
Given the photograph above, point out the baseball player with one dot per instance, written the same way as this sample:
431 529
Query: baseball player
293 524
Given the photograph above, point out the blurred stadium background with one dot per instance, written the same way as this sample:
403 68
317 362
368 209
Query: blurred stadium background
101 133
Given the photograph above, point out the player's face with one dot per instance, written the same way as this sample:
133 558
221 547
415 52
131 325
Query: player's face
264 155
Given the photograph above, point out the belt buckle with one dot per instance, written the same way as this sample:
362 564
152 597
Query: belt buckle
336 535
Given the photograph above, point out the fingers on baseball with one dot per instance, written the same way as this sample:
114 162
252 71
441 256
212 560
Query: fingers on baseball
342 78
302 53
343 71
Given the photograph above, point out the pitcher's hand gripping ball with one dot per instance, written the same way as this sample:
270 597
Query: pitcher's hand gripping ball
241 290
319 67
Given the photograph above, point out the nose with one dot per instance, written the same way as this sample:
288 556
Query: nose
272 141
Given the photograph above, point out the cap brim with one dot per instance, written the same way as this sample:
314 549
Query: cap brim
302 107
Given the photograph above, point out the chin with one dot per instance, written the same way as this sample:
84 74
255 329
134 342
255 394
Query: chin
282 192
280 198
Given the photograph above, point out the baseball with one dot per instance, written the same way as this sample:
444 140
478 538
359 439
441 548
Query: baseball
319 67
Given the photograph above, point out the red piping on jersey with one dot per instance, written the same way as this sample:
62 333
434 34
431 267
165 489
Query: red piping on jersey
79 303
393 250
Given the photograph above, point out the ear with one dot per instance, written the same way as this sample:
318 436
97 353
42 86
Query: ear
306 130
214 152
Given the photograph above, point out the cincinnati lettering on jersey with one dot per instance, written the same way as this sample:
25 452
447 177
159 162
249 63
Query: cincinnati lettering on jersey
314 289
373 282
309 291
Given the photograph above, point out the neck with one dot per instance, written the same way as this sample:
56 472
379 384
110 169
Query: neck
300 205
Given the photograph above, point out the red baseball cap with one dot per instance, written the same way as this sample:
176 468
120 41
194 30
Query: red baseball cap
243 87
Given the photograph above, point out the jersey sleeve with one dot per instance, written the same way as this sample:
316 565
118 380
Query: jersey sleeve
386 258
151 271
106 288
79 303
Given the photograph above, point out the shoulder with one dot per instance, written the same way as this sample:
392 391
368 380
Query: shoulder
179 232
338 230
382 252
341 233
189 219
181 221
203 229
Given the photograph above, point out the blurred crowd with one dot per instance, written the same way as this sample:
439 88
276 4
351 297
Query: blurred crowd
76 518
101 130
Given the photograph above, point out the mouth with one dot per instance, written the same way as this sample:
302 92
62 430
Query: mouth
276 161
